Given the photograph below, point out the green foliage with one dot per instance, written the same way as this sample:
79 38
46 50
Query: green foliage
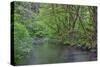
22 43
71 24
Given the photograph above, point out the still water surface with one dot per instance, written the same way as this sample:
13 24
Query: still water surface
46 52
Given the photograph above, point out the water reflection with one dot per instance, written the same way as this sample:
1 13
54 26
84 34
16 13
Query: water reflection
45 53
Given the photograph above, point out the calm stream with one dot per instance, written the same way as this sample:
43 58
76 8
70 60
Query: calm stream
45 52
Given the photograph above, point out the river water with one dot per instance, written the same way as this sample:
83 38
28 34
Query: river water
46 52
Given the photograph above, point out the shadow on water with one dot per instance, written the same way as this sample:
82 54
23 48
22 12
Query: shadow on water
45 52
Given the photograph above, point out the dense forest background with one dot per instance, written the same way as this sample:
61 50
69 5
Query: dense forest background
73 25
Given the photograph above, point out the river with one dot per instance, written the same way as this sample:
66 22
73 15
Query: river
45 52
